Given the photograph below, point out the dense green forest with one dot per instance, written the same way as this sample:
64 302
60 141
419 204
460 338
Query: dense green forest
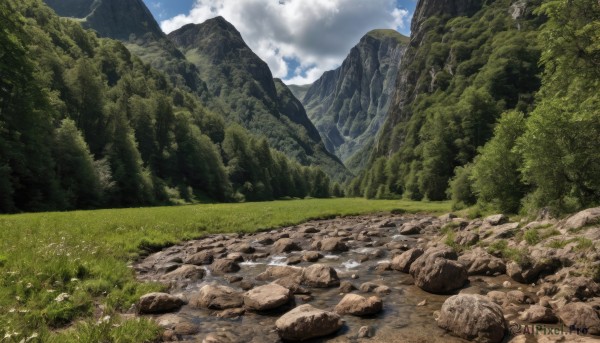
85 124
501 109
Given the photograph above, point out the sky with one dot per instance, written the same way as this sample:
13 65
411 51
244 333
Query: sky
299 39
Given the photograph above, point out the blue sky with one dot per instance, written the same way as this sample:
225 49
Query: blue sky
299 39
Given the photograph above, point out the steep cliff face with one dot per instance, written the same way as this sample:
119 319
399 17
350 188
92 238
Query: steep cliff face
131 22
467 62
348 105
243 84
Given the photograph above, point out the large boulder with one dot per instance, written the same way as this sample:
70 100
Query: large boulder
530 270
224 266
159 303
580 316
185 272
284 245
217 297
320 275
434 272
357 305
267 297
496 219
306 322
403 261
473 317
201 258
583 218
479 262
331 245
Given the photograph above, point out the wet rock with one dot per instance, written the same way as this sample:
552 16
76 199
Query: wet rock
159 303
225 265
346 287
331 245
246 285
277 272
357 305
243 248
364 332
479 262
496 219
311 256
581 316
473 317
201 258
321 276
267 297
231 313
435 273
217 297
185 272
306 322
284 245
293 283
538 314
383 290
233 278
405 260
293 260
383 266
582 219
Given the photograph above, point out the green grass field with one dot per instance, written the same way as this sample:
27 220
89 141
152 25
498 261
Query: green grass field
64 268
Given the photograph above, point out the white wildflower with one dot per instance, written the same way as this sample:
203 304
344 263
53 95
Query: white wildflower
62 297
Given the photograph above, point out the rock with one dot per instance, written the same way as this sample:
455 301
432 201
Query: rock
582 219
357 305
311 256
267 297
538 314
368 287
580 287
306 322
435 273
217 297
479 262
293 284
473 317
581 316
364 332
467 238
516 297
231 313
405 260
293 260
320 275
411 228
202 258
506 284
185 272
496 219
284 245
225 265
159 303
422 303
277 272
331 245
504 231
382 290
243 248
498 297
530 271
235 257
346 287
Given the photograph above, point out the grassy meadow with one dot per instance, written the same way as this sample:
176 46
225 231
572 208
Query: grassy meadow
65 275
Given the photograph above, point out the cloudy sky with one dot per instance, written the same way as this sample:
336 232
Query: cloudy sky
299 39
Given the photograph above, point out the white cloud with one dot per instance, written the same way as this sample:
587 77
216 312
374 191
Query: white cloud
318 34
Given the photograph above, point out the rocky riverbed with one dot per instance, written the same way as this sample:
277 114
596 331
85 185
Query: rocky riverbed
383 278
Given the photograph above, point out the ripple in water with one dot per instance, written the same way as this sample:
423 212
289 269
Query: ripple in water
351 264
278 261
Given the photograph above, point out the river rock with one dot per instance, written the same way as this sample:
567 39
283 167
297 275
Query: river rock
306 322
581 316
435 273
159 303
321 276
479 262
357 305
267 297
538 314
473 317
277 272
284 245
218 297
201 258
405 260
185 272
331 245
346 286
225 265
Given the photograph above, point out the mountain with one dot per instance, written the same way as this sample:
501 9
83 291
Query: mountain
468 62
299 91
348 105
132 23
244 86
